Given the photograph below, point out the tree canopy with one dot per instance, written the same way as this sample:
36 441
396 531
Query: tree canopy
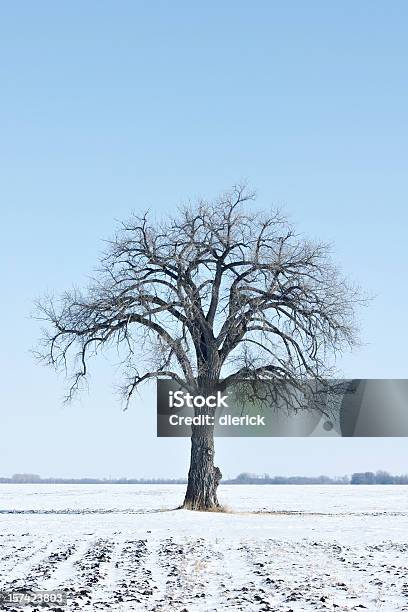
216 291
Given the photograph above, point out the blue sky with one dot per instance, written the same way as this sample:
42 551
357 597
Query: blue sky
108 107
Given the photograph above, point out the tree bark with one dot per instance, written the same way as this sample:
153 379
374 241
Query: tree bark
203 476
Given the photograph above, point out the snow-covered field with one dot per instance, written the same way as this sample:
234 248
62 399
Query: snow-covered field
281 548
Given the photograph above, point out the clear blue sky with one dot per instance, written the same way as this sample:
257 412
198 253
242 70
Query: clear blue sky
112 106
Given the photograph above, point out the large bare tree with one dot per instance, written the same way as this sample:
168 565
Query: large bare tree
213 294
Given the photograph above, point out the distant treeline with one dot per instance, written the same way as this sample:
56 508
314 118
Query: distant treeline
371 478
246 478
36 479
380 477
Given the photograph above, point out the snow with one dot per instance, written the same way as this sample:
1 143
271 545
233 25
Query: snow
281 548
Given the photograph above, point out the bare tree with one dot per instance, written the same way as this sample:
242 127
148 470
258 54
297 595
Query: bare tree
214 294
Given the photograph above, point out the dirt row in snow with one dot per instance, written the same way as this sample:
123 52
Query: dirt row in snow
182 574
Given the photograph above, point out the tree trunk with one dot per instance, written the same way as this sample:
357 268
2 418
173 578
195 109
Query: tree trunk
203 476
